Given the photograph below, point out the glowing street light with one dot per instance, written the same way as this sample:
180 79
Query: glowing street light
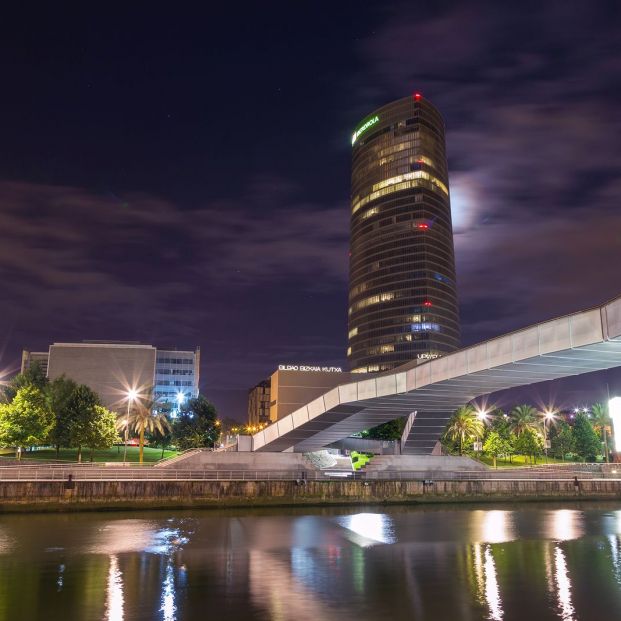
482 414
132 395
548 415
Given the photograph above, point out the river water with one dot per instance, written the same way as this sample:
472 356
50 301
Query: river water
527 562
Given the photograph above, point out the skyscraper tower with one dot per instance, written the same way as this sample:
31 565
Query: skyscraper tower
402 291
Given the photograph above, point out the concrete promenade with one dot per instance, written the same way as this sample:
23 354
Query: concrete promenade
81 495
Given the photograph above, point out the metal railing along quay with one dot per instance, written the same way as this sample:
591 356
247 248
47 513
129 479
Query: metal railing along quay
137 473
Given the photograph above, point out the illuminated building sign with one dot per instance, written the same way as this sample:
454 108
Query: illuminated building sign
372 121
304 367
427 356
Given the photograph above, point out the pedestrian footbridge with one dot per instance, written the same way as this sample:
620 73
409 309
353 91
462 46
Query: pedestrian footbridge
429 392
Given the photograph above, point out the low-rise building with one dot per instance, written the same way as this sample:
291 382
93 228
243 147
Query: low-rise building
34 357
112 369
293 386
259 404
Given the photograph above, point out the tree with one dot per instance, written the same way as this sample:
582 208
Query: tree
562 440
464 424
529 443
392 430
27 420
160 440
82 415
33 376
523 418
59 394
142 419
588 445
197 424
101 431
495 445
602 424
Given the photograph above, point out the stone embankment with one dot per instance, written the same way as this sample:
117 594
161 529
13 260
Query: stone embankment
150 494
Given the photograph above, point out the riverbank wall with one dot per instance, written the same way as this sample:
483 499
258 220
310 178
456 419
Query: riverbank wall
26 496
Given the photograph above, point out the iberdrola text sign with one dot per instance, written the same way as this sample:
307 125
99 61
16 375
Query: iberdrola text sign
363 128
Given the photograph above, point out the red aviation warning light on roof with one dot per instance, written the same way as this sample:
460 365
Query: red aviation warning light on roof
417 96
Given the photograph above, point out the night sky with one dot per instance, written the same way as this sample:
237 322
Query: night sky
180 176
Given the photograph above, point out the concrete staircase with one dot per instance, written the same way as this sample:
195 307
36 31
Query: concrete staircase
422 431
422 463
205 459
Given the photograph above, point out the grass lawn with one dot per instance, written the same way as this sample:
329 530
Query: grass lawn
362 460
519 461
114 454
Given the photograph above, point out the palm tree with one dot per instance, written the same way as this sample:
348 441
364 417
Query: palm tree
141 420
464 424
523 418
601 423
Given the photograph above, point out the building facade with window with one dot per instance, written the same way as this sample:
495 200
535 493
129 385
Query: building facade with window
259 404
34 357
176 377
402 290
165 376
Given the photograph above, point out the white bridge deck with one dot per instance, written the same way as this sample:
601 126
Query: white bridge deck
571 345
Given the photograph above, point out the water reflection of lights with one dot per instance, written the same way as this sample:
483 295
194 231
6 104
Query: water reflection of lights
168 607
124 536
303 565
497 526
372 527
60 579
488 591
565 524
478 569
614 541
563 585
166 540
114 594
6 542
492 592
273 587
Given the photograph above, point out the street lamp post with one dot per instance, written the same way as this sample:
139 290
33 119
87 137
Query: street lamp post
547 415
131 395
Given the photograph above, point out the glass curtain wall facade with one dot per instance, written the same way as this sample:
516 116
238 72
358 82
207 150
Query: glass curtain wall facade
176 377
402 290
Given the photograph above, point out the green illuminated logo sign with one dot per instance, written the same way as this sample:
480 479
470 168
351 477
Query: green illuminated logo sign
363 128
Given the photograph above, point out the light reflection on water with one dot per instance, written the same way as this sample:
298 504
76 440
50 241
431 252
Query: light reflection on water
492 591
563 584
566 524
168 607
498 526
114 593
372 528
331 564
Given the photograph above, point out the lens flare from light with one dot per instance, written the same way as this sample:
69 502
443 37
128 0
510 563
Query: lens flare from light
614 407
